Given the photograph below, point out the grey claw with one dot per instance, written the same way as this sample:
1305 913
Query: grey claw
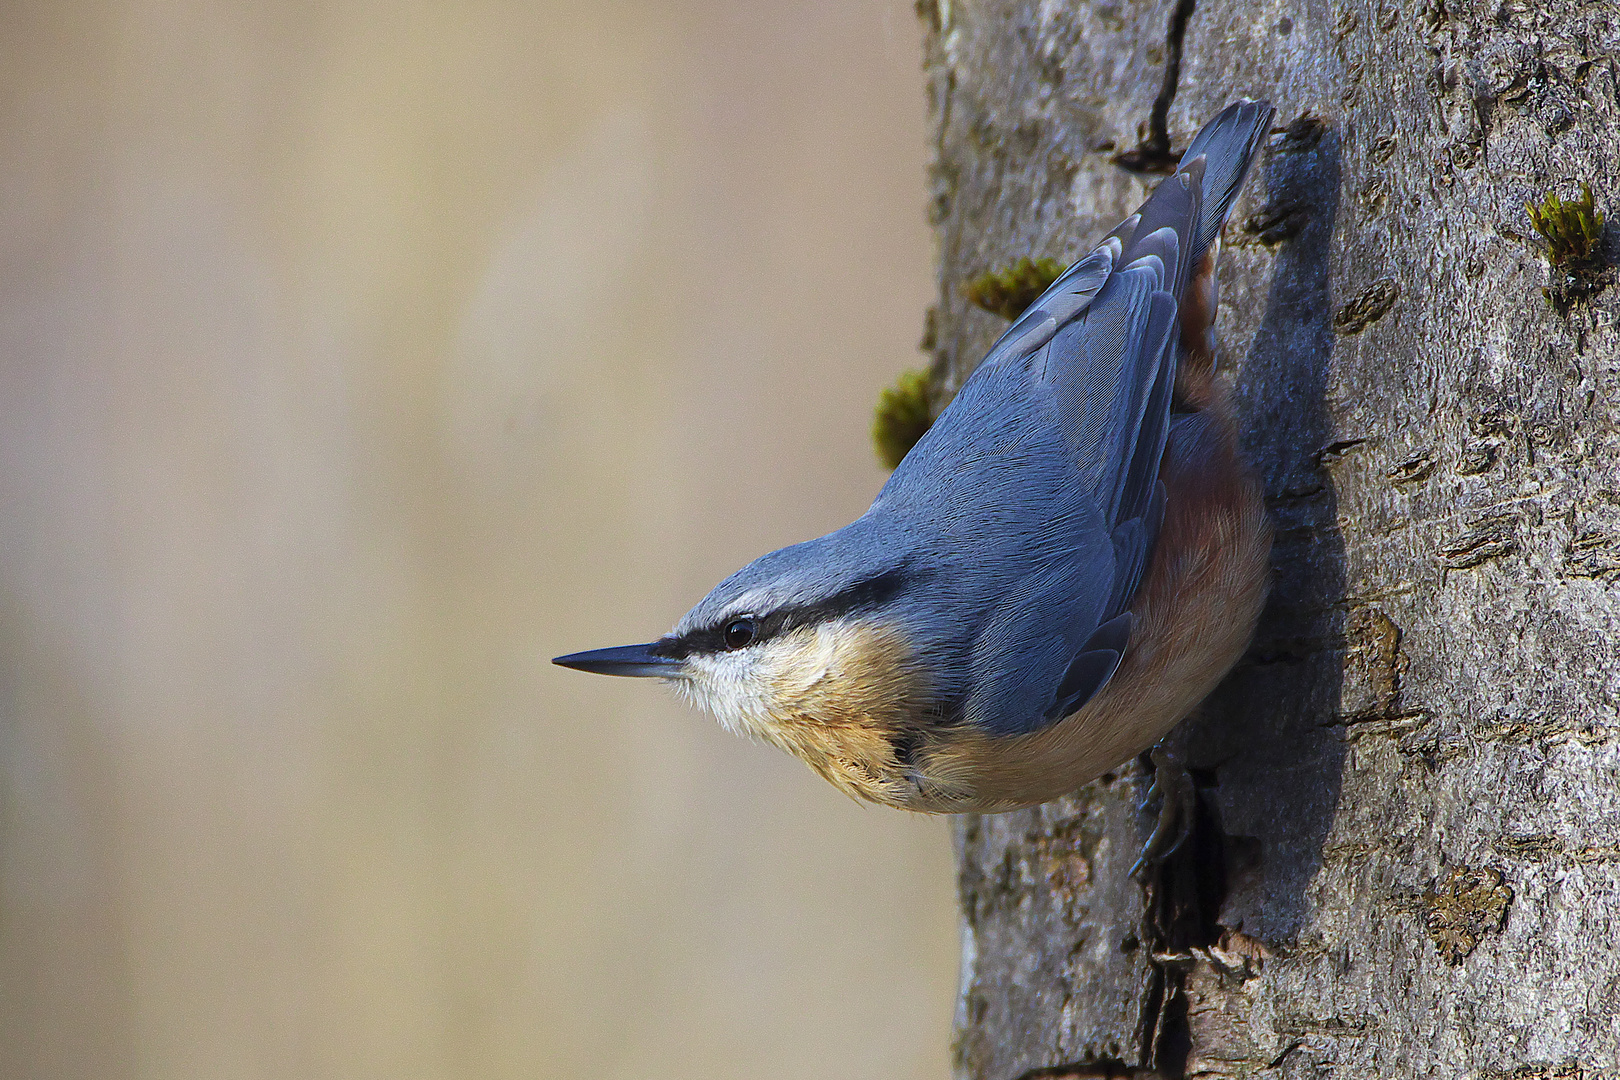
1174 786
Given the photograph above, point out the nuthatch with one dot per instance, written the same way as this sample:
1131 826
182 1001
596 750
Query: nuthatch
1056 574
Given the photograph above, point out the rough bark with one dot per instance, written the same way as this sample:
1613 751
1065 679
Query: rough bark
1407 859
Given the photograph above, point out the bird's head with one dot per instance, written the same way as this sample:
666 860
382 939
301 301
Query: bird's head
807 647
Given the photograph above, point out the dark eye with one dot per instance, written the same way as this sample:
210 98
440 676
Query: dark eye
739 633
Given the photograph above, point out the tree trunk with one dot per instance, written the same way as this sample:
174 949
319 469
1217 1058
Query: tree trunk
1406 858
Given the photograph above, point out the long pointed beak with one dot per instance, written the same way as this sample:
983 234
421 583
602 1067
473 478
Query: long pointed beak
638 661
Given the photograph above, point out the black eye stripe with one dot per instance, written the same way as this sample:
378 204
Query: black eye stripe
712 639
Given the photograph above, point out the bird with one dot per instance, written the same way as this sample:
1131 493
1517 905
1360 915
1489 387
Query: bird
1060 570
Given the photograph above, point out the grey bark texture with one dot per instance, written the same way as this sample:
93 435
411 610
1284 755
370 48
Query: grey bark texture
1407 853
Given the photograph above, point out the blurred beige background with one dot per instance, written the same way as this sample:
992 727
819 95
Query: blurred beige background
356 360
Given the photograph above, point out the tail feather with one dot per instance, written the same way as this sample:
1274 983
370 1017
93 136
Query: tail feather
1228 144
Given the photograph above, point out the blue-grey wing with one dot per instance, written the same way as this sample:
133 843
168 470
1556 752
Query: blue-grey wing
1107 375
1043 473
1045 468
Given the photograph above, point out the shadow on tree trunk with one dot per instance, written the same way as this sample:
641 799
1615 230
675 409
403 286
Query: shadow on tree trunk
1264 751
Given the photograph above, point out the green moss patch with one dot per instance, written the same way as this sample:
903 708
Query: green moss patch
1009 291
1572 232
904 412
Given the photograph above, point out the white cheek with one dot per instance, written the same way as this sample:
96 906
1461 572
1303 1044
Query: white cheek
730 687
742 689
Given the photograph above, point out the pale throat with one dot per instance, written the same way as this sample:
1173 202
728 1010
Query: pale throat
840 672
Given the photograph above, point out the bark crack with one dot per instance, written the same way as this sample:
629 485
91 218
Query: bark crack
1153 154
1184 894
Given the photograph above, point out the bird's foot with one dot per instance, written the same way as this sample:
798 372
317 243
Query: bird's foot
1173 787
